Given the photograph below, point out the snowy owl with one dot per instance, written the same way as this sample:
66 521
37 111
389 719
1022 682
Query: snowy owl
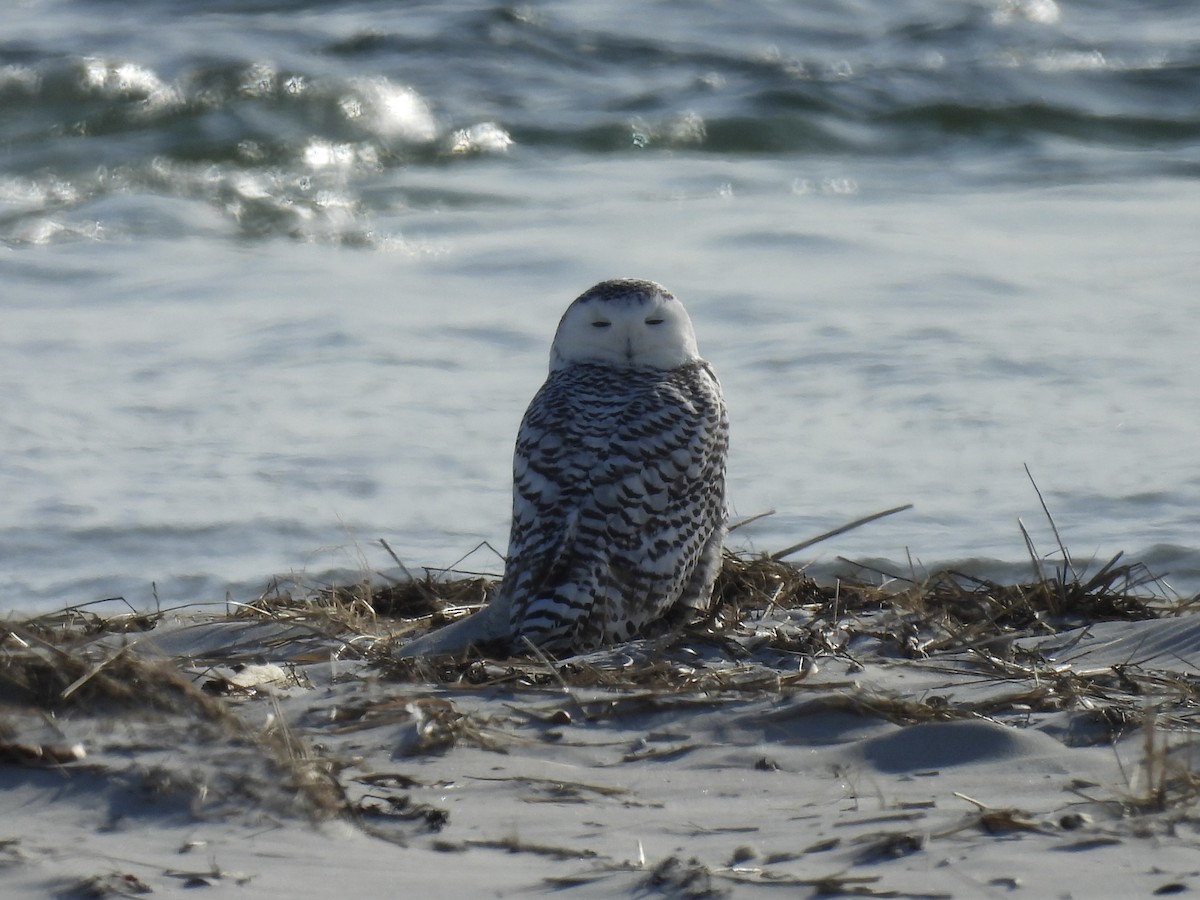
618 482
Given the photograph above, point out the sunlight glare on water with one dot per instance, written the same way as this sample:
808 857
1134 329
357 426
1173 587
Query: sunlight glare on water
280 285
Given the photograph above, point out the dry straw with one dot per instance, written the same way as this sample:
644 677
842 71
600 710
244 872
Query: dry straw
769 626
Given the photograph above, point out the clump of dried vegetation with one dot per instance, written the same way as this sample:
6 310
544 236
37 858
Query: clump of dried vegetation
769 620
62 664
946 611
45 661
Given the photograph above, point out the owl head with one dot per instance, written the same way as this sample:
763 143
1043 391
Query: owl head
626 323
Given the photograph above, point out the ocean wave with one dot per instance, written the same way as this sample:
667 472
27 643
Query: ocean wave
313 137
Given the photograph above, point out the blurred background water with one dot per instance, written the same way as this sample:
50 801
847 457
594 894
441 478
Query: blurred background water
278 278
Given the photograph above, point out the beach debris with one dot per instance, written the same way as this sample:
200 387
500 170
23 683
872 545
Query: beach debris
389 780
742 855
552 790
402 809
889 845
823 846
515 845
109 884
209 877
434 726
1170 888
690 880
1073 821
659 754
1001 820
30 754
247 680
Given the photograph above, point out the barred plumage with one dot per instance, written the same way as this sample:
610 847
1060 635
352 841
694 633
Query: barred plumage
618 475
618 483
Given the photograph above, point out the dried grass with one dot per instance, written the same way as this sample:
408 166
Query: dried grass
768 622
48 666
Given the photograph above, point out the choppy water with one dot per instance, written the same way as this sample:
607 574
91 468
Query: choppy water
279 278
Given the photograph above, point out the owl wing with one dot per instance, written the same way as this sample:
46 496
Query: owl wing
619 503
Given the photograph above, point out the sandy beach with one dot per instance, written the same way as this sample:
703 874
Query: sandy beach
830 742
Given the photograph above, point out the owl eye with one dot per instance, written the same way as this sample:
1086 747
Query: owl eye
601 323
654 321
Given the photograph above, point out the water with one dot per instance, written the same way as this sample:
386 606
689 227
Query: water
279 278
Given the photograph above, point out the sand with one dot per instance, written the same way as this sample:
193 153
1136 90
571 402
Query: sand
276 756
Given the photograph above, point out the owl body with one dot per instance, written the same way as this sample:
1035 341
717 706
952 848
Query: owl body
618 475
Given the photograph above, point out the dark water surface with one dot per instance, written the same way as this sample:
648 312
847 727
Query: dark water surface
279 278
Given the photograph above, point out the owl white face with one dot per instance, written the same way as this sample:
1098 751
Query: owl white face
627 323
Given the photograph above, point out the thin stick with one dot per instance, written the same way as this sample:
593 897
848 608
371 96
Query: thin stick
980 805
1038 574
553 669
841 529
91 673
1053 527
740 523
891 576
392 554
453 565
541 655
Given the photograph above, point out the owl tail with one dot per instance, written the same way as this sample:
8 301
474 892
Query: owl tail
488 625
